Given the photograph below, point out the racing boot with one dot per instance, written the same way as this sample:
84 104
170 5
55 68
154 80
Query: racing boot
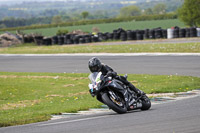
136 90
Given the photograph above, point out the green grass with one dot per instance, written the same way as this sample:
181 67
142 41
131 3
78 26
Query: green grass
33 97
109 27
123 48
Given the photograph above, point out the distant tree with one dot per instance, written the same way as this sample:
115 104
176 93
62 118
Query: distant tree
56 20
130 11
148 11
189 13
84 14
159 9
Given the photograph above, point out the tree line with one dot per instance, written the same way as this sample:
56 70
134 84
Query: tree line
128 11
189 13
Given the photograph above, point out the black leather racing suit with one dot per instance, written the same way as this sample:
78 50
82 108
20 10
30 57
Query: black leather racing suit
108 71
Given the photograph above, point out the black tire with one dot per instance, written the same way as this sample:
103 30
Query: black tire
146 103
112 105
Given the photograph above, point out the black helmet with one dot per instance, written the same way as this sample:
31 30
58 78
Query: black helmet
94 64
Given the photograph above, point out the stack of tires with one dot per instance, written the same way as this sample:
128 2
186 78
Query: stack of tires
38 40
60 40
176 32
109 35
54 40
158 33
68 39
75 39
47 41
95 38
152 34
146 34
187 34
140 34
116 35
120 34
164 33
88 39
182 33
131 35
193 32
123 36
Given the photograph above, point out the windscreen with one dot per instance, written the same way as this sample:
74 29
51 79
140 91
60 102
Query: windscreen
95 77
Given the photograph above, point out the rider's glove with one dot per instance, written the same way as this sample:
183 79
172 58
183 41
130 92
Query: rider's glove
109 74
92 92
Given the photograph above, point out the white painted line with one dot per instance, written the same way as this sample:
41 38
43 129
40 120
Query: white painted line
107 54
71 121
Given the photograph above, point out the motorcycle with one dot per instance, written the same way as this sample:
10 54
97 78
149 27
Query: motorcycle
116 95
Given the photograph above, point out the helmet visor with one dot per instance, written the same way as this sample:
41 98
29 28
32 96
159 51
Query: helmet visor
94 69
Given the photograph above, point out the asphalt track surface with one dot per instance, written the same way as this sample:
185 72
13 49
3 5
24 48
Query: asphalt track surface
172 64
181 116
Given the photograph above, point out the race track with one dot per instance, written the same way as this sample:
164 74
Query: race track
181 116
173 117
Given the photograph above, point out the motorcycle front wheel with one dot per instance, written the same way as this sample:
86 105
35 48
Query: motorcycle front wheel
117 106
146 103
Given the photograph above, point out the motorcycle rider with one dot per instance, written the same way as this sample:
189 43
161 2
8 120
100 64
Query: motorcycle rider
95 65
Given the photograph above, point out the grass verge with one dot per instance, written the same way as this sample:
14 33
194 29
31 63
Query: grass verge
123 48
33 97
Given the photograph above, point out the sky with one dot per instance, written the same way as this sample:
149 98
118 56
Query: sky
19 1
35 0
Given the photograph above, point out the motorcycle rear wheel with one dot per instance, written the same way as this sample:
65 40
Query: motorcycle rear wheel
119 109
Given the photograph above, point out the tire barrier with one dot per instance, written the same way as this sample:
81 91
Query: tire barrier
47 41
187 34
30 39
110 36
158 33
176 32
182 33
164 32
60 40
193 32
123 36
152 34
88 39
139 34
146 34
76 39
116 35
54 40
119 34
66 39
38 40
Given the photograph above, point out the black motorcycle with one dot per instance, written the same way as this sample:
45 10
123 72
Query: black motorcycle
116 95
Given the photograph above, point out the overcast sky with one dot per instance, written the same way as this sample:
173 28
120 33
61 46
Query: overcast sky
36 0
31 0
19 1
